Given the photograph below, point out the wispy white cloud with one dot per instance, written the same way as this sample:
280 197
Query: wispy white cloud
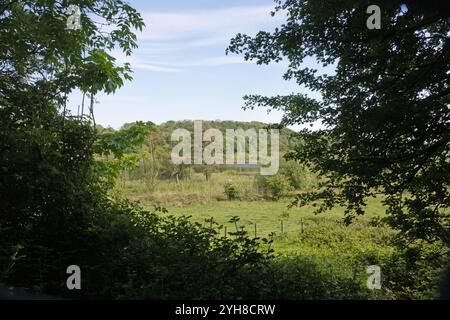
179 41
155 68
220 61
137 62
201 23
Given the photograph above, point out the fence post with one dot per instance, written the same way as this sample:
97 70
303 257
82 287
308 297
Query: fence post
302 226
225 232
282 227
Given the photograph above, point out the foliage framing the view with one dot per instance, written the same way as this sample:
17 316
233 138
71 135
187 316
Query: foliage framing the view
383 107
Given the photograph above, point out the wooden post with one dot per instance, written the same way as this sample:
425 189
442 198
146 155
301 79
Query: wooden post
302 226
282 227
225 232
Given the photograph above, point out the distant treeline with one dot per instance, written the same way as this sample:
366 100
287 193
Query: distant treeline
155 155
164 131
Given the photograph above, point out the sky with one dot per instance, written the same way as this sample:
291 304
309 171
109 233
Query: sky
181 71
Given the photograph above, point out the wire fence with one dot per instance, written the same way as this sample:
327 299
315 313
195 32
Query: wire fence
284 228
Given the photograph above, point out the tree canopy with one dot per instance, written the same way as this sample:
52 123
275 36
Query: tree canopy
383 109
38 54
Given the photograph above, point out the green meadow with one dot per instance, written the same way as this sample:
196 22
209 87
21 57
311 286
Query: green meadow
295 230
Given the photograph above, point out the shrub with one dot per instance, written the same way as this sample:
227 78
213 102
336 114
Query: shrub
312 279
414 272
274 187
231 191
295 173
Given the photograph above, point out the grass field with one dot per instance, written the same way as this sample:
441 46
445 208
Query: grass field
321 242
323 235
189 192
295 230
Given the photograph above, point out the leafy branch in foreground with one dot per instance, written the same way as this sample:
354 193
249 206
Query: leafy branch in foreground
38 53
383 106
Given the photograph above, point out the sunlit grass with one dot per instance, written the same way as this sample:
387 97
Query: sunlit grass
295 229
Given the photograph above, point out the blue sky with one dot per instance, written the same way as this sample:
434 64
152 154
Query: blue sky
181 70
